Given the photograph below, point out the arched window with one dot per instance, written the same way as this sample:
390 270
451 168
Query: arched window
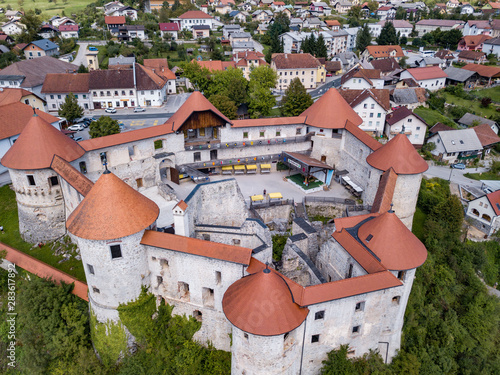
475 212
486 217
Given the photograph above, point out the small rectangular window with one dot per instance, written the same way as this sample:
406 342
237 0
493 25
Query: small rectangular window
396 299
298 131
96 290
206 237
319 315
91 269
139 182
236 241
278 133
158 144
245 134
31 180
218 277
116 251
314 338
356 329
360 306
208 297
262 134
197 156
401 275
53 181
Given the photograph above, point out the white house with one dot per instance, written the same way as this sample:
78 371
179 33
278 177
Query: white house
358 79
453 145
371 105
13 28
477 28
58 85
170 30
431 77
126 11
402 120
484 212
403 28
467 9
386 13
69 31
191 18
492 46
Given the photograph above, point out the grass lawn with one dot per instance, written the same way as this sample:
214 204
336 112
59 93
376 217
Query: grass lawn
493 93
9 220
275 112
482 176
473 106
49 9
432 116
418 224
299 180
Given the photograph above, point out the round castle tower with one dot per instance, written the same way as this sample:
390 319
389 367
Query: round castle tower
38 190
400 155
268 326
108 225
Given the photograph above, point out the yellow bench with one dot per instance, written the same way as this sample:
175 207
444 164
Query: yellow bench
239 169
251 169
265 168
227 169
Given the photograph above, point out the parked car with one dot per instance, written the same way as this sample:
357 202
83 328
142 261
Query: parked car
87 121
458 166
78 139
329 74
139 109
76 127
93 48
110 110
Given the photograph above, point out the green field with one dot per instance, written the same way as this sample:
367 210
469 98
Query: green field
432 116
473 106
10 236
48 9
493 93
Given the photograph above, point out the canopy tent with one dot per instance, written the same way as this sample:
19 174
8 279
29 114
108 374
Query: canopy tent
306 165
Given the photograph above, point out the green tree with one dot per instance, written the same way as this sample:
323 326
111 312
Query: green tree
82 69
225 105
354 12
263 76
388 35
280 25
363 39
199 77
400 13
373 6
261 102
296 99
104 125
70 109
404 40
321 50
32 23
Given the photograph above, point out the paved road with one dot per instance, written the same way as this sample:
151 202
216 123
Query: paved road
455 175
335 82
80 57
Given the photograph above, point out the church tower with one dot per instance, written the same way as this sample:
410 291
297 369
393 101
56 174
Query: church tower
38 188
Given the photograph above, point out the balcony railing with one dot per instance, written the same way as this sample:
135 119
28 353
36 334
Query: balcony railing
248 143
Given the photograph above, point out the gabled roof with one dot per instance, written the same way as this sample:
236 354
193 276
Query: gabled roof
194 14
482 70
171 26
111 79
385 192
357 72
44 44
428 72
472 55
35 70
331 111
12 95
251 305
494 199
111 210
216 65
473 41
399 114
147 79
460 140
355 97
457 74
469 119
385 51
115 20
398 154
439 23
160 67
409 95
439 127
194 246
37 144
66 83
385 65
195 103
72 176
295 61
68 28
486 135
362 136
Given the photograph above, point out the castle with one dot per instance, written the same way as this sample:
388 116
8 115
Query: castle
214 266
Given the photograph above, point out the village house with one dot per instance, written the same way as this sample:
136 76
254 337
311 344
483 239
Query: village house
403 28
386 13
130 32
465 77
113 23
201 31
382 52
431 78
483 213
492 46
487 74
48 31
358 79
456 145
126 11
426 26
472 57
69 31
247 60
404 121
409 97
472 42
477 27
39 48
13 27
169 31
57 87
372 105
191 18
303 66
472 121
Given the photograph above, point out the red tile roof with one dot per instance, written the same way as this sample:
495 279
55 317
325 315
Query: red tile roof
384 51
194 14
486 135
170 26
428 72
114 20
216 65
111 210
494 199
472 55
251 55
68 28
295 61
11 95
194 246
399 114
66 83
182 205
160 67
15 116
331 111
385 191
38 143
195 103
357 72
332 23
362 136
398 154
355 97
484 70
390 240
73 177
262 304
472 41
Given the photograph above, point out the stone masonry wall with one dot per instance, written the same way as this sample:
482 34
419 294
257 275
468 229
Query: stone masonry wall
333 261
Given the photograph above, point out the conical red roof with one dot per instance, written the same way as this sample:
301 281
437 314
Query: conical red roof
111 210
262 304
195 103
331 111
390 240
398 154
37 144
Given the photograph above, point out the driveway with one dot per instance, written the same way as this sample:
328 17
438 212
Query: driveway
455 175
80 57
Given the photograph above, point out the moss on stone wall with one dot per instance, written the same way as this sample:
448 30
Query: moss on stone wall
137 315
109 339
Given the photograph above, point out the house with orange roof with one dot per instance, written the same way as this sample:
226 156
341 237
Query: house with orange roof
113 23
488 74
472 42
247 60
406 122
484 212
303 66
431 77
382 52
